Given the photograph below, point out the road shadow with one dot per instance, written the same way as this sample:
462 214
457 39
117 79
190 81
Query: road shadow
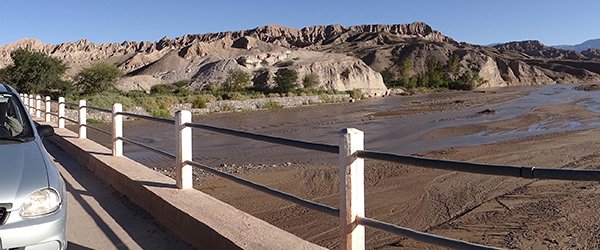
137 223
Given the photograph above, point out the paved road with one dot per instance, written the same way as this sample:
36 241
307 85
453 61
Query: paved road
98 217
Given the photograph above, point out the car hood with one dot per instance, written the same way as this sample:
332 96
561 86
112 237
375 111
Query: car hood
22 171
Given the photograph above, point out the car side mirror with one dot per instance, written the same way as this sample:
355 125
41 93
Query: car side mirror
45 130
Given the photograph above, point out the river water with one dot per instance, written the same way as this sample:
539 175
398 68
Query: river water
397 134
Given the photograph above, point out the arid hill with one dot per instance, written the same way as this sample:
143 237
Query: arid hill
343 58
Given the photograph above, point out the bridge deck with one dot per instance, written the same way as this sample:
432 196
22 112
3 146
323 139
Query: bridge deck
100 218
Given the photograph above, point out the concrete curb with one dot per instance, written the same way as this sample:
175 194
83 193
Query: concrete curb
197 218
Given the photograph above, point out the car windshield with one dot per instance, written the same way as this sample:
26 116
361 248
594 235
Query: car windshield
14 123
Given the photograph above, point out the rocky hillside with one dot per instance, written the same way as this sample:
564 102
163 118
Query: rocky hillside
343 58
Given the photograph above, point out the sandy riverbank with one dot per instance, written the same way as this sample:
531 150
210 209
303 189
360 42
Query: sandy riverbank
503 212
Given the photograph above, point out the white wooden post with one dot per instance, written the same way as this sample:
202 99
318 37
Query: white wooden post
61 112
38 106
31 105
117 130
183 172
22 97
82 119
47 110
26 101
352 197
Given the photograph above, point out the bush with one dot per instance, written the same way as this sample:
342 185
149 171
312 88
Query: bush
356 94
237 80
467 81
199 103
136 93
310 80
107 99
97 78
272 105
286 80
325 98
236 96
162 89
180 91
162 113
36 72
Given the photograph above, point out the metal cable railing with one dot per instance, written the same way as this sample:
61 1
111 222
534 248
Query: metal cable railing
420 236
266 138
151 118
273 192
98 129
160 151
488 169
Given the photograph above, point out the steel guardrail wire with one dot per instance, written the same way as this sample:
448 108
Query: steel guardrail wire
151 118
160 151
266 138
420 236
98 109
71 120
270 191
98 129
488 169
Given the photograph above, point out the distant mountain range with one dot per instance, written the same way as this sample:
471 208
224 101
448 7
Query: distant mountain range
589 44
342 58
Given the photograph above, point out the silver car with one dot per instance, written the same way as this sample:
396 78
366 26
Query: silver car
32 192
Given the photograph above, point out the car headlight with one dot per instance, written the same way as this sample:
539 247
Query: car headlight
40 202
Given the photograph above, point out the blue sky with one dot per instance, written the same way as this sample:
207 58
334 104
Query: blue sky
474 21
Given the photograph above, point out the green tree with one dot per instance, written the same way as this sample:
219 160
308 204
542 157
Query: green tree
405 73
237 80
388 76
310 80
97 78
453 64
35 72
286 80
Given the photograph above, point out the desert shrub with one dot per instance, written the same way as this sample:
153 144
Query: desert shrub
310 80
136 93
356 94
389 78
107 99
272 105
273 95
237 79
467 81
162 89
236 96
163 113
290 94
209 97
286 80
199 102
325 98
97 78
181 83
180 91
36 72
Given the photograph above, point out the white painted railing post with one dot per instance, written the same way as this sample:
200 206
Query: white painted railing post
61 112
22 97
38 106
117 130
183 171
31 105
48 109
82 119
26 101
352 197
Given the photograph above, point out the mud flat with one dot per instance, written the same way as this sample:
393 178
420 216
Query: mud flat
550 126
